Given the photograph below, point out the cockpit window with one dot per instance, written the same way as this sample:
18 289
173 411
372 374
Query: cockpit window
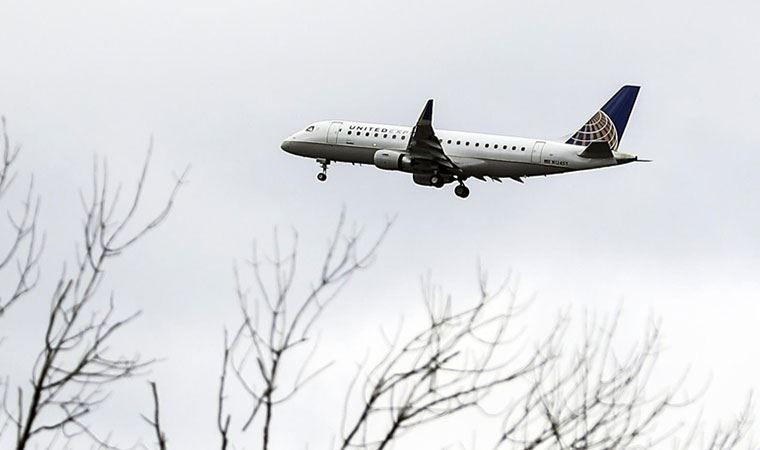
310 128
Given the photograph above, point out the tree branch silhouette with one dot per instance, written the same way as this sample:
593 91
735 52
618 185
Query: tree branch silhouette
76 364
23 248
451 365
155 421
278 325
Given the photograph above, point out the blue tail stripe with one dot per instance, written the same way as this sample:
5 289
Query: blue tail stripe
620 106
610 122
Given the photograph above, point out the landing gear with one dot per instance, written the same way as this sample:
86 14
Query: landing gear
462 191
322 176
436 180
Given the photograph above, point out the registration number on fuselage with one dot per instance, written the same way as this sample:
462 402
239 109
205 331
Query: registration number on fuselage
555 162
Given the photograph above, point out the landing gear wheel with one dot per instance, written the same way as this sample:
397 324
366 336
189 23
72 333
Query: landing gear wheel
435 180
439 184
462 191
323 163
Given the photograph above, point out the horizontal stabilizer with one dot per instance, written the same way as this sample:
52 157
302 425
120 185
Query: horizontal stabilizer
597 150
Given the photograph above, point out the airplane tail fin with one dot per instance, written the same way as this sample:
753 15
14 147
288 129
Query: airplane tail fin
608 125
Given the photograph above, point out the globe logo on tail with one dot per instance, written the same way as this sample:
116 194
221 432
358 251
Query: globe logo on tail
599 128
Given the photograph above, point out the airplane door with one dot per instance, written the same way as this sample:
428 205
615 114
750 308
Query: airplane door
535 156
333 131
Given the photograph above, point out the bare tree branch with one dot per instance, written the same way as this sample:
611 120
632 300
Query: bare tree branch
733 435
155 422
24 247
10 153
593 397
278 325
75 365
453 364
222 420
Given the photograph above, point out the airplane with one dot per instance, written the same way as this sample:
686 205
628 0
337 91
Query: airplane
439 157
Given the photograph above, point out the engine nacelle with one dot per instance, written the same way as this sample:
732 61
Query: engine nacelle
393 160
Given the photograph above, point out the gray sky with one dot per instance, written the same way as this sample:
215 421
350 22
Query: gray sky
220 84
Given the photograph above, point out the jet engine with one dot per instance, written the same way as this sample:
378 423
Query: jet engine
393 160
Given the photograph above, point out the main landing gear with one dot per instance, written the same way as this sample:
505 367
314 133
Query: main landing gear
461 190
436 180
322 176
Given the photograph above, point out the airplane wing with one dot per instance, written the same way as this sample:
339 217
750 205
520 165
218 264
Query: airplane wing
424 144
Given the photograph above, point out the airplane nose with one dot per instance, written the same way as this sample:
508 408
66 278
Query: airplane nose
287 145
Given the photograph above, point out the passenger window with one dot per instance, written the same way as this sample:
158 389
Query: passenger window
514 147
393 137
459 142
385 136
449 141
403 138
310 128
477 144
523 149
375 134
366 134
487 145
349 133
467 143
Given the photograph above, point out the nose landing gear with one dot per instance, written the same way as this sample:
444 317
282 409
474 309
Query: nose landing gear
323 163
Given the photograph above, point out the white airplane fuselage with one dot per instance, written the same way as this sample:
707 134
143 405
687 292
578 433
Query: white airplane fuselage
437 157
478 155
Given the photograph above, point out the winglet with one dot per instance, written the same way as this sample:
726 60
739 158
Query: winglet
597 150
423 142
427 114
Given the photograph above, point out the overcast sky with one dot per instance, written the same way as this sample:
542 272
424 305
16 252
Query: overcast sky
220 84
